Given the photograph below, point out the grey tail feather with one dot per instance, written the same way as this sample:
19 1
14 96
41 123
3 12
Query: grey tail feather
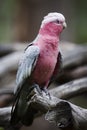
26 120
14 117
28 116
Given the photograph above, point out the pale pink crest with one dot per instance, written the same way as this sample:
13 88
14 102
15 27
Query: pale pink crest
53 17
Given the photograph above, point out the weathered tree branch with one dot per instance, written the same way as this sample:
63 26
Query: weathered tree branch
70 89
61 112
58 109
9 63
76 116
75 59
5 116
71 74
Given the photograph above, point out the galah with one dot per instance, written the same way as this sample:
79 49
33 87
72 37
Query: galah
39 65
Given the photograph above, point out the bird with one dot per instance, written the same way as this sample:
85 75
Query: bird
38 67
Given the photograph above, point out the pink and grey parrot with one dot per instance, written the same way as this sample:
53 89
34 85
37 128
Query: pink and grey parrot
39 65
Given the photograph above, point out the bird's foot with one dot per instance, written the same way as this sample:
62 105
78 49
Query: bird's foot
46 92
36 86
33 90
41 91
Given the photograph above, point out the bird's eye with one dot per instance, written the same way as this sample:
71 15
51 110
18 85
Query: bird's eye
58 21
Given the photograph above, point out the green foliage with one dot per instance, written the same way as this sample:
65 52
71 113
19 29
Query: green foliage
81 21
81 30
1 128
6 19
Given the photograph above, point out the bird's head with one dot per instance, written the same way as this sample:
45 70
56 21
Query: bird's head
53 24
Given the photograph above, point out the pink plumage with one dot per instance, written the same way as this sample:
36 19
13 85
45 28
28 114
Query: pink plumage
48 42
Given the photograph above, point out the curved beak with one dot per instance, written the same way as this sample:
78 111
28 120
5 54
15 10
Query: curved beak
64 25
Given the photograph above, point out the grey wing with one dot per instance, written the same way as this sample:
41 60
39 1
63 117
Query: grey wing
27 64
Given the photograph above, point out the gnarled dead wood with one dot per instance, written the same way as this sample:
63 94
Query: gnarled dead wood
61 112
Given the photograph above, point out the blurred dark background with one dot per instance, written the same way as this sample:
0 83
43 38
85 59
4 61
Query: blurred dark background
20 19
